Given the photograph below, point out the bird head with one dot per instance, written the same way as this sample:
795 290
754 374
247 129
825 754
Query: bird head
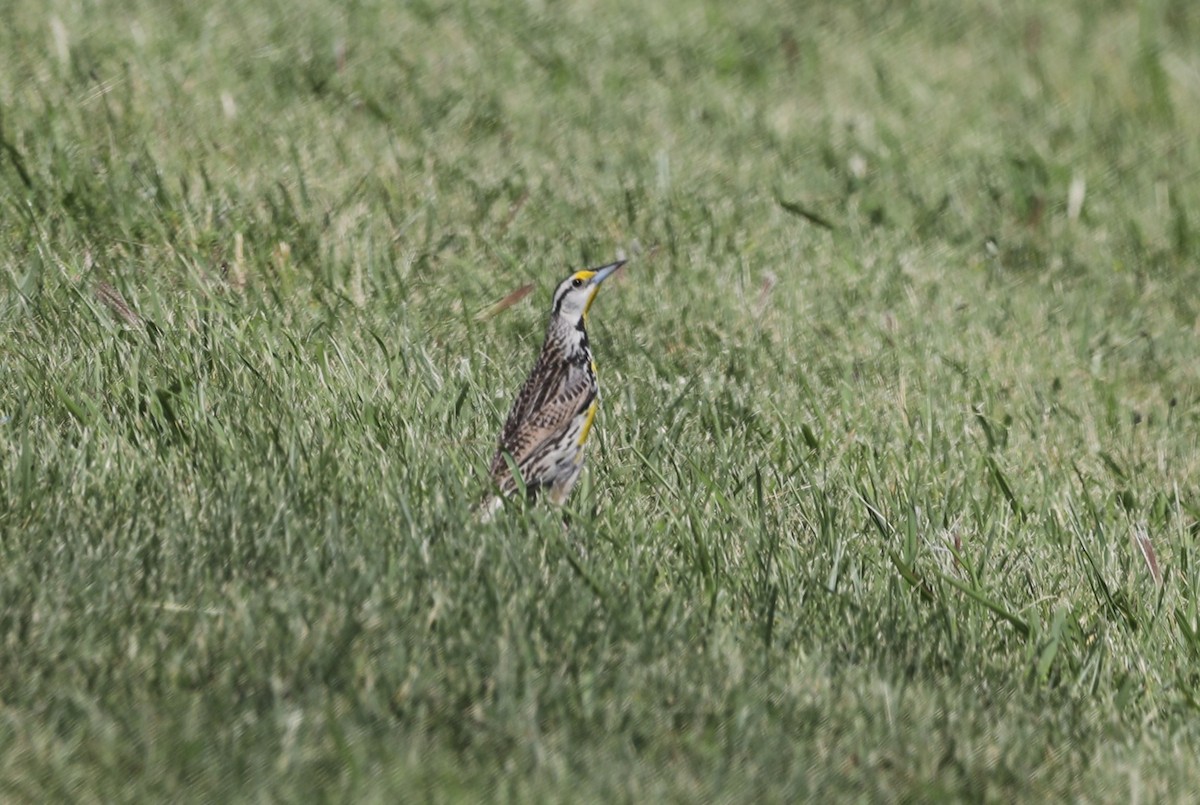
574 296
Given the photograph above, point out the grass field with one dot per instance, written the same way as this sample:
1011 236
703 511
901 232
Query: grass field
895 487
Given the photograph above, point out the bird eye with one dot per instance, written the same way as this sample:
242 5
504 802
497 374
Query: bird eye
575 283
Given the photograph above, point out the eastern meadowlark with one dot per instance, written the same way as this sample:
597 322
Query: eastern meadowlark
551 419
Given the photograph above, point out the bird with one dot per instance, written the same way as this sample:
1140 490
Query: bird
551 419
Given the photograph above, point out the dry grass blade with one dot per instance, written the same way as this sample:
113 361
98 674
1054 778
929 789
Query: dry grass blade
1142 540
115 302
514 210
505 303
764 293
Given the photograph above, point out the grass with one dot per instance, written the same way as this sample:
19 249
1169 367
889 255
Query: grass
894 489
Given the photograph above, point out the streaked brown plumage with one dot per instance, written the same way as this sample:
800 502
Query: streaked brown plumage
551 419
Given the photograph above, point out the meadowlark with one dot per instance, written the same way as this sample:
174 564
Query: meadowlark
551 419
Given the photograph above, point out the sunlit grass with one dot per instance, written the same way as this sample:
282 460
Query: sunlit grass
894 486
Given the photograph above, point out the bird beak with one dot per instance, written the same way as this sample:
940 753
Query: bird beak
604 272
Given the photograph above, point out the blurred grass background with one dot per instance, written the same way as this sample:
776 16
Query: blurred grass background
894 489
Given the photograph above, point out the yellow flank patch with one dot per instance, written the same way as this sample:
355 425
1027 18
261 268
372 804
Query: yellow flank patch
587 423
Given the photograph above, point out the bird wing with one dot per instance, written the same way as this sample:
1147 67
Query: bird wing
549 400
